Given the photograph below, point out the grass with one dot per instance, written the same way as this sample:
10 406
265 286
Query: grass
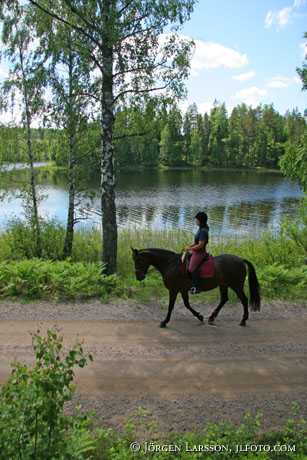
280 262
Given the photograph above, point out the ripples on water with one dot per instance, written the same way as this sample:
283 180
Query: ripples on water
238 203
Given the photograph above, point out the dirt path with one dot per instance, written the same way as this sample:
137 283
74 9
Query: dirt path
184 375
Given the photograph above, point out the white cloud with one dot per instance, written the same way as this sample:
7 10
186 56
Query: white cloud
268 19
202 107
280 82
210 55
283 16
244 76
205 107
297 80
251 96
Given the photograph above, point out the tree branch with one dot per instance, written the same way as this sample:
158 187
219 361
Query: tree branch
137 32
121 11
149 68
90 25
140 91
64 21
90 95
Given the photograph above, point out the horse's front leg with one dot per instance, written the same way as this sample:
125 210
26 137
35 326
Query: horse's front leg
185 297
172 300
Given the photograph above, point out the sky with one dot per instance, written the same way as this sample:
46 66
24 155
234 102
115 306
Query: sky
245 51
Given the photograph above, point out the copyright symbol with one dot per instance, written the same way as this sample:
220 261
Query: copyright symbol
135 447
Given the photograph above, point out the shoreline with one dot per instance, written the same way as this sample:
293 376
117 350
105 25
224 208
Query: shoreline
51 164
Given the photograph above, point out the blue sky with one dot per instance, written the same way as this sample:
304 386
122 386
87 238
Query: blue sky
247 51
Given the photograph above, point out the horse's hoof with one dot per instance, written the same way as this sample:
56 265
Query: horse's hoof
211 321
201 318
243 323
162 324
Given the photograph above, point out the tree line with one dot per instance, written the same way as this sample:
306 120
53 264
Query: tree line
159 134
248 137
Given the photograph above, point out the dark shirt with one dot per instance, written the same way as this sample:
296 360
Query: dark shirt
201 235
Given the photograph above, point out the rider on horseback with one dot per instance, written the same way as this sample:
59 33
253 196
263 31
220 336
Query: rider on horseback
198 250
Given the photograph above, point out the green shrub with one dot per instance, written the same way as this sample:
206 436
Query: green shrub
297 230
282 282
227 436
41 279
21 245
32 420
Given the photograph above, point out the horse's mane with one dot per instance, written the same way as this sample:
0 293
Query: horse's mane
159 252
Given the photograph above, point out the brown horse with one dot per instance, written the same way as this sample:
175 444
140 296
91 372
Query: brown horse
230 272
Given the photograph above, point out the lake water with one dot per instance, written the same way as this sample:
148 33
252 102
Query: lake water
239 203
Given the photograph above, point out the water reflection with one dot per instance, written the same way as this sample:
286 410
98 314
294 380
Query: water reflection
238 203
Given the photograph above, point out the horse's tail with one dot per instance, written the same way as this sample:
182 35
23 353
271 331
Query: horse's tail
254 287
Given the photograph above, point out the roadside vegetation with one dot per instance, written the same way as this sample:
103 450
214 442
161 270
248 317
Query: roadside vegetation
35 425
280 262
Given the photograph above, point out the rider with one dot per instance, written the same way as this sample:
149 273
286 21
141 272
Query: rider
198 250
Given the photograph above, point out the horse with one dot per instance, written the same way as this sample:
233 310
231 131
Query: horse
230 272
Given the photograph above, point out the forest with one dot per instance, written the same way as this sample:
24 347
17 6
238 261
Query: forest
159 134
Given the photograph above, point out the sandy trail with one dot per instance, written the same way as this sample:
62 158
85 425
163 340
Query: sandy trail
184 375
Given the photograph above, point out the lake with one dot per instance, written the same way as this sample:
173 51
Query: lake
239 203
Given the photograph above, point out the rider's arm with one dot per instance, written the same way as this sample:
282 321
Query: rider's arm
199 246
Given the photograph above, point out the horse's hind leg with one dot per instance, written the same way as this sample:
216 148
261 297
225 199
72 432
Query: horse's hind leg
172 300
223 300
185 297
240 293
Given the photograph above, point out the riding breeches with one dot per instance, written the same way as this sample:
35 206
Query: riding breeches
196 258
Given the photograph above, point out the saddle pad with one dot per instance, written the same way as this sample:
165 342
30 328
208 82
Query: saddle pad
207 269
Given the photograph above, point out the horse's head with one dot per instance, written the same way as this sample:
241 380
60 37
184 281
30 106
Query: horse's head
141 264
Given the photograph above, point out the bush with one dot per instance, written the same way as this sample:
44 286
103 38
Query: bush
20 243
224 436
282 282
41 279
32 420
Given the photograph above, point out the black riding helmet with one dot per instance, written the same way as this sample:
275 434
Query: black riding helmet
203 219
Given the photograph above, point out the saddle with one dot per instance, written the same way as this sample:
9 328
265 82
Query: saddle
206 267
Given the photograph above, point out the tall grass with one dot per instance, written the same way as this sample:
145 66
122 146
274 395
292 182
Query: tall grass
280 261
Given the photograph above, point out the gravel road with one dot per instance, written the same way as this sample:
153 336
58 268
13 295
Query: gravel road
185 375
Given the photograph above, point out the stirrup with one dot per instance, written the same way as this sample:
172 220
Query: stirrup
194 290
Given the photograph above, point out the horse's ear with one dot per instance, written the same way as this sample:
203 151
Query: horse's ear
134 251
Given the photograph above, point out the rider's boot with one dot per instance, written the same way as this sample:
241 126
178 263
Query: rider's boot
195 289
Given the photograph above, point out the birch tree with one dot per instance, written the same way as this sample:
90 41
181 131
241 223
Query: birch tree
68 80
132 59
26 81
